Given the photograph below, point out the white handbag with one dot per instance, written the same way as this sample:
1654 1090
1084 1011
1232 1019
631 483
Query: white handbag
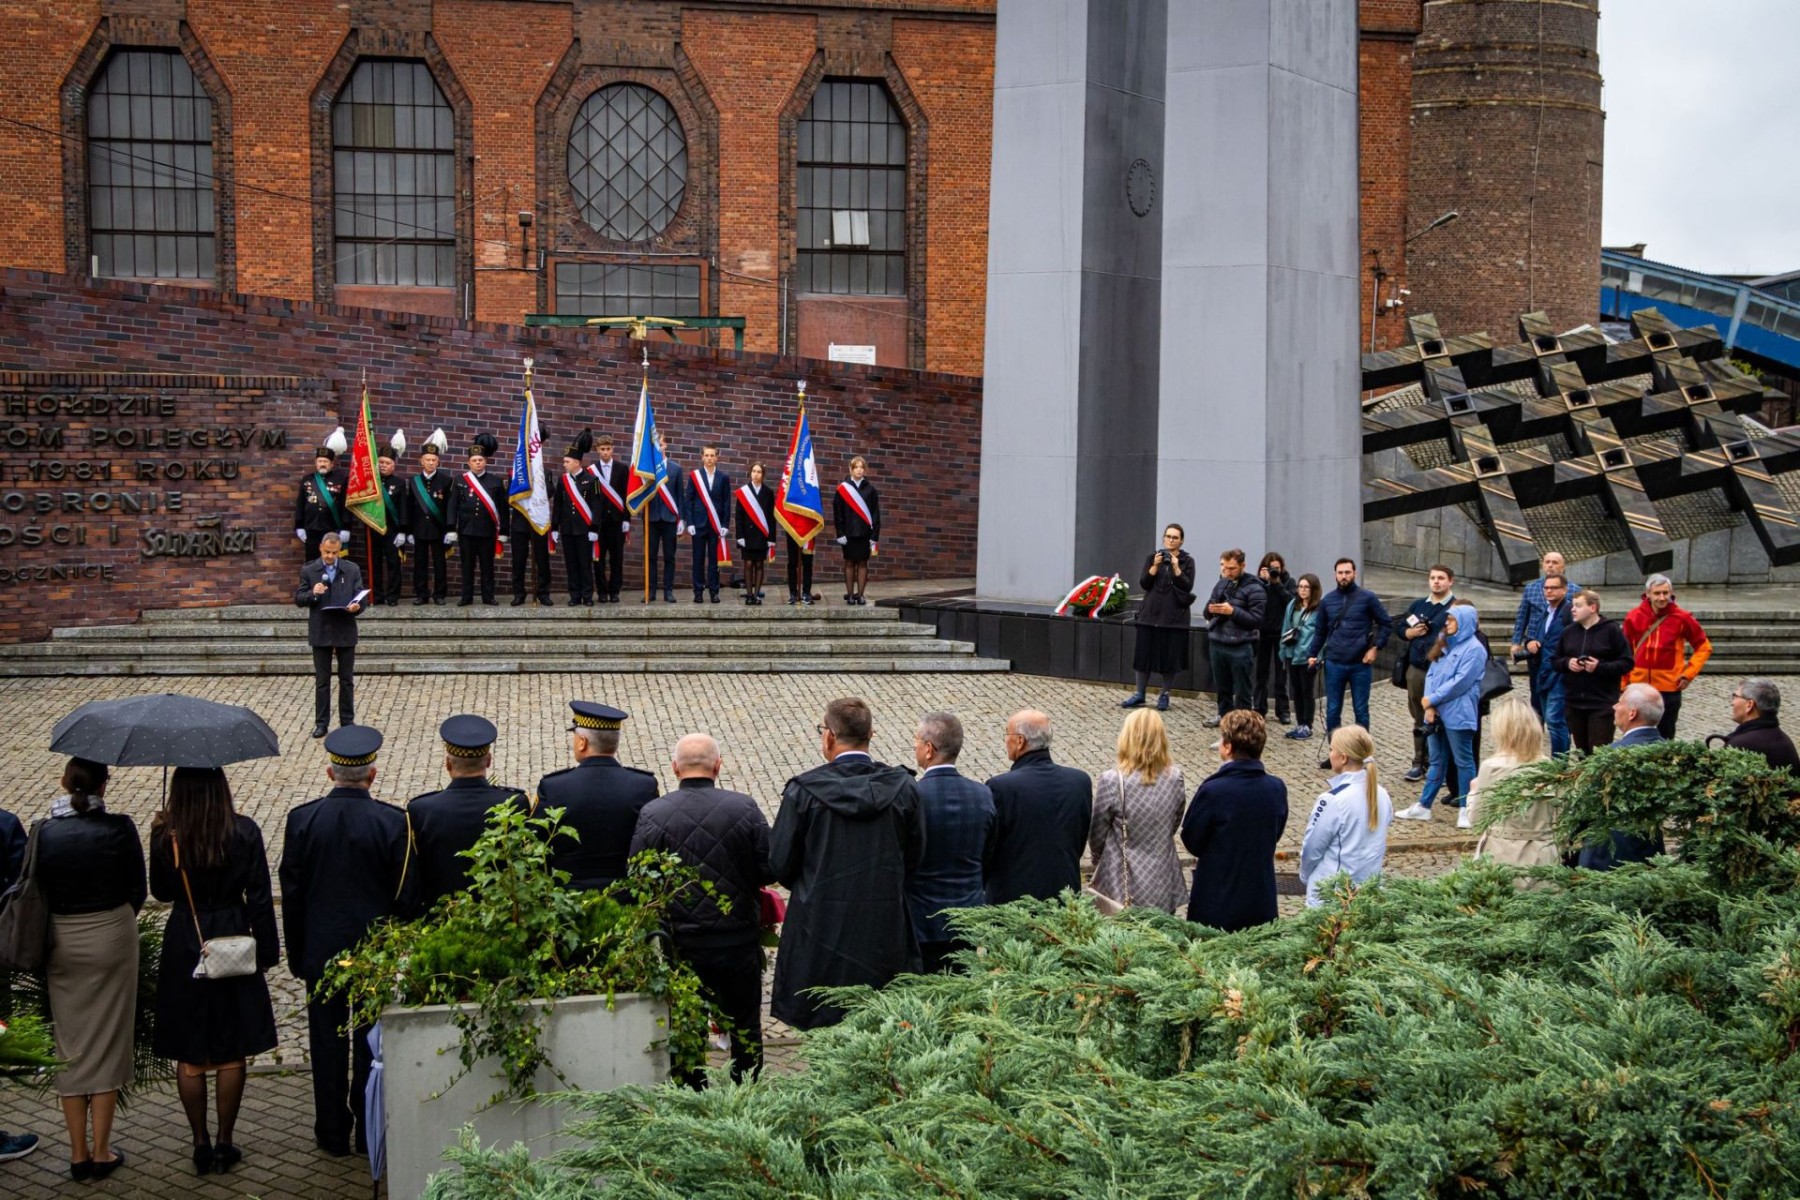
221 957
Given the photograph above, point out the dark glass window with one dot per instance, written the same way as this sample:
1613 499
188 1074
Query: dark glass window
627 162
628 290
393 140
150 168
851 209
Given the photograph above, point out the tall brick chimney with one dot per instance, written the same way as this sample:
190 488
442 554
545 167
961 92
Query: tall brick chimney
1507 131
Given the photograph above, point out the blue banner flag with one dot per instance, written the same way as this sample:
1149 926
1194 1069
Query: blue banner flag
649 467
798 506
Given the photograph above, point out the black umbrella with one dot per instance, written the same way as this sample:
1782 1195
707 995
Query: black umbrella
163 731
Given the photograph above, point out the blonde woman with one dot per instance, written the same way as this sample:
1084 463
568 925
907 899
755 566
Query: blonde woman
1137 807
1528 838
1348 829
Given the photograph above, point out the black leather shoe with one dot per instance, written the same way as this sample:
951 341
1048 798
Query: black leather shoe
319 730
517 600
81 1172
715 597
437 600
464 603
104 1169
203 1160
226 1156
421 599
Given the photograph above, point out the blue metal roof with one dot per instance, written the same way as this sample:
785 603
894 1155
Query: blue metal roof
1757 324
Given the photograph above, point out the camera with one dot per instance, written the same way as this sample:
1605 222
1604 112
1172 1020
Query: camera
1520 655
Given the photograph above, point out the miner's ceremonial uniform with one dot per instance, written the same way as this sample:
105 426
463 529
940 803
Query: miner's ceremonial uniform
427 521
447 822
319 508
477 517
602 799
386 546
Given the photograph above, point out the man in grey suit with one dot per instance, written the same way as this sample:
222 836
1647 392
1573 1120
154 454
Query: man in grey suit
1636 714
959 836
1042 812
331 590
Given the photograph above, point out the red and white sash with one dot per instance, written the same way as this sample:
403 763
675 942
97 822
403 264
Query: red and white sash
712 514
854 499
606 486
487 502
752 508
573 491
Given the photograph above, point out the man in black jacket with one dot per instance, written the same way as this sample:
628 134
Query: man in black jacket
345 864
384 548
428 520
1271 672
1755 705
1592 658
1042 811
447 822
600 798
331 590
1234 617
575 521
1420 626
612 517
724 836
477 519
847 836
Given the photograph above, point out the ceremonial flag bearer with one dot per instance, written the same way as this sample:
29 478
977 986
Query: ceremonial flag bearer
477 514
602 799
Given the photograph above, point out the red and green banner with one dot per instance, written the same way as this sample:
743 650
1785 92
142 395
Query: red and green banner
362 494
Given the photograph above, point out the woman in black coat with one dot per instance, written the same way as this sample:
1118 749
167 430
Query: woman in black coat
1162 618
208 861
858 528
1271 672
756 527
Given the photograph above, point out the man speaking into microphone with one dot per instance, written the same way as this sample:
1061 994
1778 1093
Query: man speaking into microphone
331 590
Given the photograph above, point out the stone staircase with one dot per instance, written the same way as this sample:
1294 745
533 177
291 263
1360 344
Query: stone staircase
433 640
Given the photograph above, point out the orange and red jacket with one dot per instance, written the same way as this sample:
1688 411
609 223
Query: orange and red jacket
1659 661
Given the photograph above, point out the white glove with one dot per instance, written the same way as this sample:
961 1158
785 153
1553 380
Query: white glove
593 537
554 539
690 531
449 539
740 541
843 541
344 536
503 539
301 534
624 526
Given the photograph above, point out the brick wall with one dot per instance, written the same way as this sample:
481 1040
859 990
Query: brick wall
424 372
1385 63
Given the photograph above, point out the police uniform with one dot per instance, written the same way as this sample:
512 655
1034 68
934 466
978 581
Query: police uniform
602 798
574 525
474 525
427 521
345 864
447 822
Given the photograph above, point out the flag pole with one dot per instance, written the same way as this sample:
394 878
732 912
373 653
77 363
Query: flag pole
363 407
652 500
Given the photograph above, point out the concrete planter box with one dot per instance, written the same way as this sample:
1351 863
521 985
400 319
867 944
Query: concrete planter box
595 1047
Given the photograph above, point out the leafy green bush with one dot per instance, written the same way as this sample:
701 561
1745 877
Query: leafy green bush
26 1047
518 934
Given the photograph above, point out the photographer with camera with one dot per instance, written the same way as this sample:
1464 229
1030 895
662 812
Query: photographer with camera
1162 618
1234 617
1592 659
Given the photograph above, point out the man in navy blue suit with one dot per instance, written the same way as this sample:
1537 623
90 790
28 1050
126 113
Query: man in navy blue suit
1635 715
1042 813
960 826
708 518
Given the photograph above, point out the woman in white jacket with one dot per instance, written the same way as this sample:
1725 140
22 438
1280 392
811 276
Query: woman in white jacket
1348 829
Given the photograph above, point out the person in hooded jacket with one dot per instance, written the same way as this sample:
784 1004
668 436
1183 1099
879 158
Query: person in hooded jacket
1452 704
845 839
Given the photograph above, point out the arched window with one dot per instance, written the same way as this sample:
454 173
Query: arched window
851 209
393 141
150 168
627 162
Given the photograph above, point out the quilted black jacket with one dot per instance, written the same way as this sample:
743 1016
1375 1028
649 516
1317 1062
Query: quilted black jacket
725 837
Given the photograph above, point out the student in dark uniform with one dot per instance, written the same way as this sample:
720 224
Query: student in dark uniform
477 519
528 543
387 546
574 520
612 484
756 530
799 570
428 515
856 516
319 504
602 799
708 496
345 864
448 822
665 526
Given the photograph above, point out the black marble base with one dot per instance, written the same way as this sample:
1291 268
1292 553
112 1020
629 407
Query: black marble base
1038 642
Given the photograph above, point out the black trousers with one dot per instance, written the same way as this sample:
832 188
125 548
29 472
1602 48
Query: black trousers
1590 729
662 547
609 568
527 543
731 977
706 561
935 956
1671 713
476 551
340 1074
1232 668
430 568
1303 681
799 569
386 586
578 567
346 671
1271 676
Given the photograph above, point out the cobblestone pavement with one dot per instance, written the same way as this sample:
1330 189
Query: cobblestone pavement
764 724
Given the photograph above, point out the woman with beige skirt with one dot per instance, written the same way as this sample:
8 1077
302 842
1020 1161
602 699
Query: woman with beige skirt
91 867
1137 808
1527 838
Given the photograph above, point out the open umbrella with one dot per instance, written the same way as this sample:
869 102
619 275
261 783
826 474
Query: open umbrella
163 731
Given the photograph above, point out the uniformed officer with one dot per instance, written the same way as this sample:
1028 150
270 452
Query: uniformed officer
345 864
428 520
446 823
602 798
387 546
574 518
319 503
477 518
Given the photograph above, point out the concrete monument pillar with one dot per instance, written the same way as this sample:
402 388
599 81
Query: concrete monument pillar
1069 417
1258 442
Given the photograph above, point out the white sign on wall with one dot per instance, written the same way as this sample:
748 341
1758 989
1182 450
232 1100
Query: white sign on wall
851 354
